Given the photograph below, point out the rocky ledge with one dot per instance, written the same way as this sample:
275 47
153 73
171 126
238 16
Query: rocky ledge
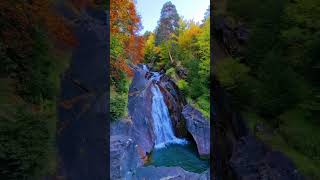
124 157
199 127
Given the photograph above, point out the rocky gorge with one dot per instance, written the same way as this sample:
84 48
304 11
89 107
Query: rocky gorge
134 139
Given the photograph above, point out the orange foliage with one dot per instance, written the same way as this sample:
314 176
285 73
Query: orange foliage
125 23
135 49
121 65
55 24
22 17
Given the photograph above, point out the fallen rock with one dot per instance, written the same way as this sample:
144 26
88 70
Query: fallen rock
168 173
124 157
199 127
252 160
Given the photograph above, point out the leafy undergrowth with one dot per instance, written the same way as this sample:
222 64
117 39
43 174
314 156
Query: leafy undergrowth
27 136
202 104
28 120
119 101
297 137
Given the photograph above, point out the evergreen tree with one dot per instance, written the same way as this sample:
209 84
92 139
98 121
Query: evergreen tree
168 24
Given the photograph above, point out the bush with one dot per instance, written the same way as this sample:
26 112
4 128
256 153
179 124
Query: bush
183 86
36 74
26 142
171 72
203 104
231 73
118 105
120 83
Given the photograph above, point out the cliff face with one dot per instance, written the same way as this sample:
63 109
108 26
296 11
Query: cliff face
140 104
83 105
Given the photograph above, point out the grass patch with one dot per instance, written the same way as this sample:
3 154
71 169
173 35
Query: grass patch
202 104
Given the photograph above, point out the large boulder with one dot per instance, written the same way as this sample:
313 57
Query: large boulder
124 157
199 127
139 107
168 173
252 160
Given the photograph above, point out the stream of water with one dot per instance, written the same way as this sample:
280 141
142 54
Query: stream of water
162 122
170 150
162 126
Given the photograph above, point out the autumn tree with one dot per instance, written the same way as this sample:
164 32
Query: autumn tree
126 48
31 68
126 45
23 24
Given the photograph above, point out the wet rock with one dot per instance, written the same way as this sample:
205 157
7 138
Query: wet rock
252 160
124 157
175 103
199 127
139 107
168 173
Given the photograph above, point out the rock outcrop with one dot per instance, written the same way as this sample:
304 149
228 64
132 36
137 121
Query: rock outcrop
82 103
139 107
199 127
252 160
168 173
124 157
175 103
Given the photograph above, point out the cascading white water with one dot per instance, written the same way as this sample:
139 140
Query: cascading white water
161 119
144 67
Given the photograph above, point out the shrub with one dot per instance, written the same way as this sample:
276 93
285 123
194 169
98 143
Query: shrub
203 103
231 73
171 72
183 86
26 142
118 105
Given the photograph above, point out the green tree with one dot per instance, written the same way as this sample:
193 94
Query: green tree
168 23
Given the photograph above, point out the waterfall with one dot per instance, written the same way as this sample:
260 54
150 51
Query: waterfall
161 119
144 67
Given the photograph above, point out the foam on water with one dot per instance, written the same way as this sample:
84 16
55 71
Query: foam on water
161 119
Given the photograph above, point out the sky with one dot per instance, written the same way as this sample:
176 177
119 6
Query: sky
149 11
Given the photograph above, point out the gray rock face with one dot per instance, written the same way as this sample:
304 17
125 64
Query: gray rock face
124 157
139 107
175 103
199 127
82 103
122 127
252 160
168 173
